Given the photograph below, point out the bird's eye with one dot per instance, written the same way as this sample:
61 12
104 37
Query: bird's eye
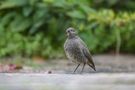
71 30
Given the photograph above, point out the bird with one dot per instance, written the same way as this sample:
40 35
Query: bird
76 50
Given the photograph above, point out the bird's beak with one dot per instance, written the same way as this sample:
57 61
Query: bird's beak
67 33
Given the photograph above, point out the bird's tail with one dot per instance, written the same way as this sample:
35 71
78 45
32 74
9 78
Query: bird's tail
92 66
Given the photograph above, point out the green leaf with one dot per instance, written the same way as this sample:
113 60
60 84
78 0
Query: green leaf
20 24
6 19
27 11
86 9
76 14
12 4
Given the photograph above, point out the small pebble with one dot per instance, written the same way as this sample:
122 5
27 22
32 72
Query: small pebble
49 72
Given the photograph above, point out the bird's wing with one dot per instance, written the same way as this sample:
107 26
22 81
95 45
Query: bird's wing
87 54
89 57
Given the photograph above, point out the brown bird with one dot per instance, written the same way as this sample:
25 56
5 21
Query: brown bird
77 51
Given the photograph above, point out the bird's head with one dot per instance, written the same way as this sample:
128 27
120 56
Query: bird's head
71 33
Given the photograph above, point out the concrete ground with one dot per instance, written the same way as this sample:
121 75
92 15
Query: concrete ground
101 81
103 63
113 73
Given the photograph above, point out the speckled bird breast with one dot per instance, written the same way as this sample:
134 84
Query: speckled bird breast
73 51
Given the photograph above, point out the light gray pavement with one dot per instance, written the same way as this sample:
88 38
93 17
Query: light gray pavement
112 74
100 81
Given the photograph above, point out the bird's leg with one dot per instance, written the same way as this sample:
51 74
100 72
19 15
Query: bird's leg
83 67
76 68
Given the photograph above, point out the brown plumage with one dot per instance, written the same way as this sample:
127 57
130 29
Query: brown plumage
76 50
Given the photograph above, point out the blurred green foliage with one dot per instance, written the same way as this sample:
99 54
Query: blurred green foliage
116 5
37 27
